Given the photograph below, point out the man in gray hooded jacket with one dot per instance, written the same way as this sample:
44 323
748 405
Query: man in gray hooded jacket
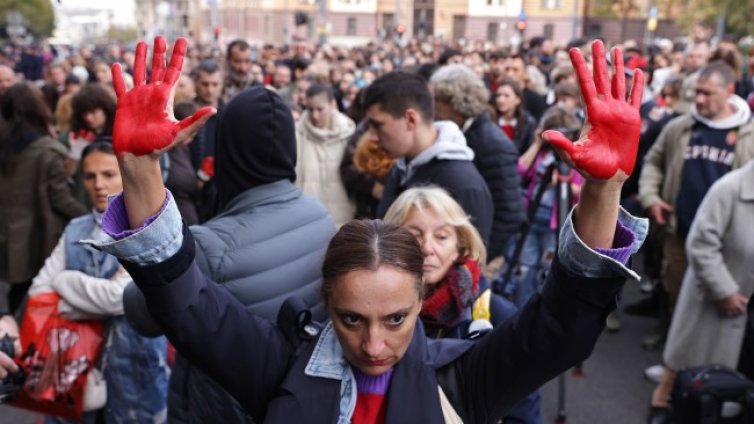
400 112
266 231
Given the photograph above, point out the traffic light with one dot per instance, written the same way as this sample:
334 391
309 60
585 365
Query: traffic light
521 22
216 31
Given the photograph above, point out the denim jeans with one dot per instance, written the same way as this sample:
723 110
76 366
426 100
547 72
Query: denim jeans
536 257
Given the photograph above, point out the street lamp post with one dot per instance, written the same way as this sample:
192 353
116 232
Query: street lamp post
323 21
575 29
721 24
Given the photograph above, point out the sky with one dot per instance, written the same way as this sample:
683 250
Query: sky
124 9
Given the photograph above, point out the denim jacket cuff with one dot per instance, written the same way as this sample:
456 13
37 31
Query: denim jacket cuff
157 240
577 257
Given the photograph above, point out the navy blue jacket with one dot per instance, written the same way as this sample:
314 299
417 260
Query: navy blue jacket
496 159
252 359
459 178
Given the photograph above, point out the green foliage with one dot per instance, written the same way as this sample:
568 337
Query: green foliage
613 8
739 15
39 15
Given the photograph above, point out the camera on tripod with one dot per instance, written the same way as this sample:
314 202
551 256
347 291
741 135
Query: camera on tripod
570 132
13 382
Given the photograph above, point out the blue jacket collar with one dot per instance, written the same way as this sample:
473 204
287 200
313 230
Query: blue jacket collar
327 360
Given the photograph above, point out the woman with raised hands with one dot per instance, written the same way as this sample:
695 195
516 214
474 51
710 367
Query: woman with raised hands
372 362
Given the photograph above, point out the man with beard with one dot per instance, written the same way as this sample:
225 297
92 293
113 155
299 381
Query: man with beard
238 76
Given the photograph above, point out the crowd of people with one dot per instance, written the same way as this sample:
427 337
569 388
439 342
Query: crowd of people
445 155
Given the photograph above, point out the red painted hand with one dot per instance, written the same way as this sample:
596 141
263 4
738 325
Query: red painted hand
144 121
609 140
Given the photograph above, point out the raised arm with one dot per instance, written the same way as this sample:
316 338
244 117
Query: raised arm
246 354
559 327
605 153
145 127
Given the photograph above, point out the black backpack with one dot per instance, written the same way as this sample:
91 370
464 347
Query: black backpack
699 394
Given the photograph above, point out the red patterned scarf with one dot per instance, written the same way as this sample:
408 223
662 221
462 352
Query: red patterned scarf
443 306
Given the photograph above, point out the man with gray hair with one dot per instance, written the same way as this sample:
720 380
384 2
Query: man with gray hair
461 97
694 59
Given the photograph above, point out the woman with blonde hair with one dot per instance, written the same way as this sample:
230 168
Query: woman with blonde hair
457 299
64 114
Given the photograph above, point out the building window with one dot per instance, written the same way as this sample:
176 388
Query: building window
550 4
549 31
387 21
351 28
594 30
492 31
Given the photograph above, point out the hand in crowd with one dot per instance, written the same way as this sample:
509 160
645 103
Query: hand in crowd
659 212
144 120
733 305
606 149
9 327
78 142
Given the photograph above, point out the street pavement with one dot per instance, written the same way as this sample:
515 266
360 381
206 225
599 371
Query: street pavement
613 388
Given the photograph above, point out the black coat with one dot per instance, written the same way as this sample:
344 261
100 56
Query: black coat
525 133
358 184
258 365
496 158
460 178
535 103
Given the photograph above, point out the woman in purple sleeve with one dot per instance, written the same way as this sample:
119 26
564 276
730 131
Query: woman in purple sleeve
372 362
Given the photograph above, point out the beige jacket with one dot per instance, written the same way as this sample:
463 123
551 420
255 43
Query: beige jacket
320 151
720 250
660 177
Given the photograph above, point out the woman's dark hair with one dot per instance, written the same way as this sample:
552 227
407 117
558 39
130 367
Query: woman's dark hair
731 58
90 97
97 146
557 118
318 88
356 112
25 115
183 110
369 244
520 112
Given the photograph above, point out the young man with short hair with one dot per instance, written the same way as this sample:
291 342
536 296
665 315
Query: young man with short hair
400 111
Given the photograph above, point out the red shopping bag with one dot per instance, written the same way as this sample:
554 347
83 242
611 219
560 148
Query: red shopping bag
57 355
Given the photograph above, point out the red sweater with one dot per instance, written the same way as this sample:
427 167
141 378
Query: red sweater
371 402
